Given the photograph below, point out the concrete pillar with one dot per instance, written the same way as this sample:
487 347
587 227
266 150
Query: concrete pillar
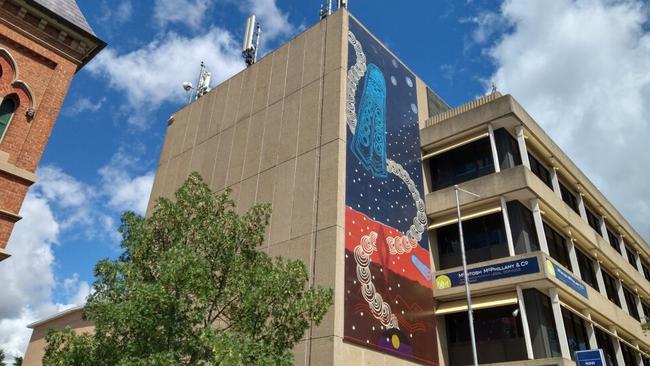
591 333
639 309
524 323
581 208
521 143
617 347
573 257
621 295
493 145
639 264
599 278
539 225
555 182
559 323
506 222
639 358
603 233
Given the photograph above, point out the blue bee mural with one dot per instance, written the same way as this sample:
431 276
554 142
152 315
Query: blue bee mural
369 142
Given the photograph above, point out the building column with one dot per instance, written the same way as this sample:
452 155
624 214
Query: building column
617 347
555 182
539 225
581 207
521 143
573 257
591 333
493 145
506 222
639 357
639 309
524 323
621 296
639 264
603 233
559 323
599 278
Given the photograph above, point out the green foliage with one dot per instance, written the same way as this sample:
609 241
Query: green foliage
2 358
191 289
18 361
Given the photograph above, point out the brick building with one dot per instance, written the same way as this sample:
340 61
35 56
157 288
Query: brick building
43 43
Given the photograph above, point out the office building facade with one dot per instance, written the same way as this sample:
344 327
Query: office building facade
358 158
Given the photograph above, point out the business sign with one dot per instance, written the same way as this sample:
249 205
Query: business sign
561 274
519 267
592 357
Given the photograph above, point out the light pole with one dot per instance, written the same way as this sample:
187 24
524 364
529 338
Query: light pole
467 290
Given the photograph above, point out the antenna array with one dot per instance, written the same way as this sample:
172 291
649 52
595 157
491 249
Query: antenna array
251 41
326 10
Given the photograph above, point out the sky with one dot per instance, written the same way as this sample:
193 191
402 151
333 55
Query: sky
579 67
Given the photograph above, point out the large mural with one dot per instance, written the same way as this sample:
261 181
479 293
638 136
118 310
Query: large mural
388 290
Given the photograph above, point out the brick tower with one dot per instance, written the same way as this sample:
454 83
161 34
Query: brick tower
43 43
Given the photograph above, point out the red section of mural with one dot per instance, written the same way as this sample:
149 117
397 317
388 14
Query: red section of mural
358 225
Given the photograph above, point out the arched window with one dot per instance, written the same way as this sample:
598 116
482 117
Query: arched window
7 109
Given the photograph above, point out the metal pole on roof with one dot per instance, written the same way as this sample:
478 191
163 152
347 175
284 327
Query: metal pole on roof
468 294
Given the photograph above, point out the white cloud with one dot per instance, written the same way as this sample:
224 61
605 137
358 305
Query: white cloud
581 69
126 192
84 104
191 13
275 24
153 75
116 14
28 276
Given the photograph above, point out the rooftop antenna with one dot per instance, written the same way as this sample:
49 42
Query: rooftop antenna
326 11
251 41
203 86
342 4
494 87
188 88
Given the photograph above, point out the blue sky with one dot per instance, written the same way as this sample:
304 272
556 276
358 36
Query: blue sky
579 67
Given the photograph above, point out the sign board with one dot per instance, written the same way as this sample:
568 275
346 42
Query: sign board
566 278
593 357
492 272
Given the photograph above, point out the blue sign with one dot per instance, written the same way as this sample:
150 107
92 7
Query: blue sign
593 357
492 272
561 274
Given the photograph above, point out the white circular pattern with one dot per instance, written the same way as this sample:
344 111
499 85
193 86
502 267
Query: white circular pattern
393 81
409 82
414 108
355 74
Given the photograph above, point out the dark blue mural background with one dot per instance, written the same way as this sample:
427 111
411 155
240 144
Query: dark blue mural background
387 199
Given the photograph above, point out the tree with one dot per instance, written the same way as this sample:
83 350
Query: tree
18 361
191 288
2 358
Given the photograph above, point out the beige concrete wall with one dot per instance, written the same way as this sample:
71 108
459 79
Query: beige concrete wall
36 347
275 133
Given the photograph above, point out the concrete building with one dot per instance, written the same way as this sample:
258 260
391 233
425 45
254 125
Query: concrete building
359 158
43 43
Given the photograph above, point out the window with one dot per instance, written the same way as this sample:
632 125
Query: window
631 256
470 161
543 334
630 301
507 149
587 271
540 171
7 109
613 239
499 336
576 332
593 220
605 343
569 198
485 239
629 355
611 288
522 228
557 246
435 104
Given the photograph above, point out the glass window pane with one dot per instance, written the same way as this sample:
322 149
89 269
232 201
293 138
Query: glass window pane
611 288
587 270
459 165
540 171
7 109
557 246
485 239
569 198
